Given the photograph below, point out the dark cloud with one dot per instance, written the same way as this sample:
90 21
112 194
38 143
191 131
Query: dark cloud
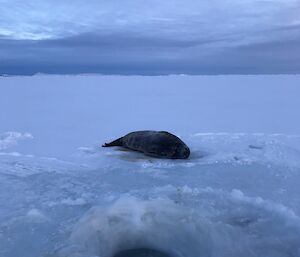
133 55
205 37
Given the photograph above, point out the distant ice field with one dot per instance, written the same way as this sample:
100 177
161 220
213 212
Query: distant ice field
238 194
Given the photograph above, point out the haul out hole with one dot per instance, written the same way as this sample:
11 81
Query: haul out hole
141 252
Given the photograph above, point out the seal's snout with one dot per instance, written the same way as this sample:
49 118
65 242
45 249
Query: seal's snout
182 153
186 153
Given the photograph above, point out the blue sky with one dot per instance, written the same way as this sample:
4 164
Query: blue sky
150 37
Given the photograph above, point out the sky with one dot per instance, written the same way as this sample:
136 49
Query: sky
150 37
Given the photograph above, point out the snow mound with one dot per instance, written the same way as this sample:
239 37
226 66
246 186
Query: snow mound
183 221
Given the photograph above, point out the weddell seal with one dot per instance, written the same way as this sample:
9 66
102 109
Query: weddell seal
159 144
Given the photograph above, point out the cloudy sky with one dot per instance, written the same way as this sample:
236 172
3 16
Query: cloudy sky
149 36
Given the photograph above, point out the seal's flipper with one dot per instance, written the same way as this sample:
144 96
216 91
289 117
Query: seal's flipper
117 142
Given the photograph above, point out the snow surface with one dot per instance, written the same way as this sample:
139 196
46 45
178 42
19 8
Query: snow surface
62 194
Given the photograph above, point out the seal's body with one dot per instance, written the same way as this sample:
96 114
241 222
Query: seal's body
141 252
160 144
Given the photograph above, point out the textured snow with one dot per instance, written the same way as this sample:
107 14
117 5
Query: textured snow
62 194
9 139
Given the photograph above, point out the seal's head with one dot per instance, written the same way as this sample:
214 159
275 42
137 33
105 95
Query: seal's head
181 152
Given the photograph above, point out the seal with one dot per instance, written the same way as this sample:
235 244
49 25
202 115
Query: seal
141 252
159 144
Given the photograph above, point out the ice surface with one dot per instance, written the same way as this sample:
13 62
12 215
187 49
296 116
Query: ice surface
62 194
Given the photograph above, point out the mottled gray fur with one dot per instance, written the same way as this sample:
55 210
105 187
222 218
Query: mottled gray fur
160 144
